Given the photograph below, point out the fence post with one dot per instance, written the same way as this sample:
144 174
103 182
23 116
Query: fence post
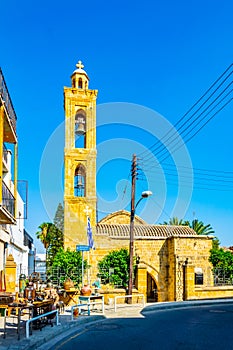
115 304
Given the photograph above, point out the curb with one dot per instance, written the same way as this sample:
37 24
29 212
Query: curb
40 340
146 309
43 340
66 331
185 304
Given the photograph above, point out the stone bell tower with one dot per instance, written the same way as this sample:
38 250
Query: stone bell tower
80 158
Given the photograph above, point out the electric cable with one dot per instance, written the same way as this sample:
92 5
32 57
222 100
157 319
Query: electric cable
182 118
198 120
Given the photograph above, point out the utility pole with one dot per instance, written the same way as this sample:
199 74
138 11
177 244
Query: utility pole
131 232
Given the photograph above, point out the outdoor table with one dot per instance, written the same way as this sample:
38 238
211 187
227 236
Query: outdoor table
67 295
16 311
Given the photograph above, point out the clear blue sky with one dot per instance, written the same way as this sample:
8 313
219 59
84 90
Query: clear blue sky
159 55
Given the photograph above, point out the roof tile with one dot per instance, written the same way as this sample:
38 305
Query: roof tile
144 231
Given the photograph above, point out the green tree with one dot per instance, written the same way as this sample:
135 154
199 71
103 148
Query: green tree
176 222
196 225
44 233
222 261
215 243
114 268
200 228
56 242
59 218
67 264
52 239
45 236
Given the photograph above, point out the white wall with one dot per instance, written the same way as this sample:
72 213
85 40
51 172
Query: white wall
16 246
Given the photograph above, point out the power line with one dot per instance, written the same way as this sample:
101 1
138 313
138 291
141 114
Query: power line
171 135
189 128
203 177
197 120
196 171
199 186
192 136
199 178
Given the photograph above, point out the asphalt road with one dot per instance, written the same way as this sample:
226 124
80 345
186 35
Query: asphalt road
196 328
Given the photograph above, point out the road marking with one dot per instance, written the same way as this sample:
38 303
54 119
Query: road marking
69 338
217 311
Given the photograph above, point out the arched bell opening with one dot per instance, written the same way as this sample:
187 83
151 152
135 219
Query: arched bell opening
80 83
80 181
80 129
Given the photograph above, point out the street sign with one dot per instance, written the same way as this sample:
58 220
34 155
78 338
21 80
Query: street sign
82 248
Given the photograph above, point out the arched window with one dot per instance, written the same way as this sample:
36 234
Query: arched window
80 129
80 83
80 181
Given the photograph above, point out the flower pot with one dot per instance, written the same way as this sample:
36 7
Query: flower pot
86 290
68 284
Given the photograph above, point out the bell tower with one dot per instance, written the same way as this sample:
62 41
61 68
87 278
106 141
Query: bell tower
79 158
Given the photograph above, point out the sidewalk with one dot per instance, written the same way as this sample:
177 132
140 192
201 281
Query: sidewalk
40 338
48 332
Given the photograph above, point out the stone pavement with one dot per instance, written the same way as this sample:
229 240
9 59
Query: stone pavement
38 339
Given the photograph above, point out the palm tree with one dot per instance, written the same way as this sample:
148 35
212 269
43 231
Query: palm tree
44 235
176 222
52 239
196 225
200 228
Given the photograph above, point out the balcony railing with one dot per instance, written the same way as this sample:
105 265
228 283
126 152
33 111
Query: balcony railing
8 200
5 153
7 99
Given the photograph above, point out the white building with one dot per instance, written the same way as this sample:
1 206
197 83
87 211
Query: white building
13 237
19 243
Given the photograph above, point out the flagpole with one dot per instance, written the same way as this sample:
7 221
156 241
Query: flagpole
90 240
88 258
87 211
88 253
82 270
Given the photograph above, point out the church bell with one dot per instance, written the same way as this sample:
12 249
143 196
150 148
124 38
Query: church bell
80 183
80 130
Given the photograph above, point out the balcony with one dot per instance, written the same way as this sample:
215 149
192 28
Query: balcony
7 208
10 120
4 159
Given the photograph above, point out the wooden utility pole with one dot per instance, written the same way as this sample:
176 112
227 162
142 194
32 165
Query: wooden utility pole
131 232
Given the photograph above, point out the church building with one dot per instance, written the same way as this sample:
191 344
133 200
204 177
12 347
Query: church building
172 261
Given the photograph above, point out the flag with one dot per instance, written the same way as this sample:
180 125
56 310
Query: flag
89 234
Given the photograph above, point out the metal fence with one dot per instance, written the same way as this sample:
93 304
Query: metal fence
222 277
59 275
105 276
216 277
211 277
8 200
5 96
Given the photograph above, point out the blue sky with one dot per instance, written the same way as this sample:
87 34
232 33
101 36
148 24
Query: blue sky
157 56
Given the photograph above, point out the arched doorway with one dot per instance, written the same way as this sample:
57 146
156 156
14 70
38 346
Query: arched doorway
152 290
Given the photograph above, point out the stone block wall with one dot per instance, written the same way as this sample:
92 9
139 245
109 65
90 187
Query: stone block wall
163 260
212 292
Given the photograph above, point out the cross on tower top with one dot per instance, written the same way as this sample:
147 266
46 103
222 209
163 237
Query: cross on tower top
87 211
79 65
